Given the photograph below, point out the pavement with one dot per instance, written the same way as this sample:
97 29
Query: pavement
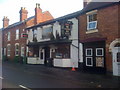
99 80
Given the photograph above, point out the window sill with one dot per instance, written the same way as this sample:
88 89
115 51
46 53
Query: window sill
91 31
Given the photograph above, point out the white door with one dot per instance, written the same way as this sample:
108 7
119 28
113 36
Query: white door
116 61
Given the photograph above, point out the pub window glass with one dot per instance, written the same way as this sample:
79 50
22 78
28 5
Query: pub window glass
99 51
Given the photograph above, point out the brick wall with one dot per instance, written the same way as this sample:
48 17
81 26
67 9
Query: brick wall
107 28
21 41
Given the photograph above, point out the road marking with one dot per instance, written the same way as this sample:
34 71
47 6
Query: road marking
24 87
1 77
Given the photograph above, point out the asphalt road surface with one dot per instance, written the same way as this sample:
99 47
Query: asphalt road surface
18 76
14 77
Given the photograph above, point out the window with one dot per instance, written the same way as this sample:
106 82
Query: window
89 58
8 36
89 52
17 34
17 50
92 21
46 33
34 35
4 51
8 49
99 51
89 61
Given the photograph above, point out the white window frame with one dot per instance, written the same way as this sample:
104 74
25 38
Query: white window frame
17 34
8 49
91 61
88 14
91 51
99 49
17 49
8 36
88 24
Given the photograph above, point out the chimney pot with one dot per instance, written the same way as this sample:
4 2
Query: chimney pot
5 22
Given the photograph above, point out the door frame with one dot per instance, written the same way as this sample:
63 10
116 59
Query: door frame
115 50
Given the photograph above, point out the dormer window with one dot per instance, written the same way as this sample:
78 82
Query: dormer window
92 21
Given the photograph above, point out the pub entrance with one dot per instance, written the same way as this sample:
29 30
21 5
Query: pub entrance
46 55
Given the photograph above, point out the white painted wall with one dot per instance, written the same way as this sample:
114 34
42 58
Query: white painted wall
62 62
80 53
74 31
74 53
30 35
34 60
56 27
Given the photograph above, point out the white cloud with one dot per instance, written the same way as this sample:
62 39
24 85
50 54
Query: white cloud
57 8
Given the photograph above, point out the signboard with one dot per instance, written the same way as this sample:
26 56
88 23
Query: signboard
24 35
99 61
66 28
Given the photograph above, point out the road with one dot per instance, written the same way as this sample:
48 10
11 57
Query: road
18 76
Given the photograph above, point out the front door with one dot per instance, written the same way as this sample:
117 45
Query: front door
47 55
116 61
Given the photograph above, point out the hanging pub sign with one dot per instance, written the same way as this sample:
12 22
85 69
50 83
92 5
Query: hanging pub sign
67 28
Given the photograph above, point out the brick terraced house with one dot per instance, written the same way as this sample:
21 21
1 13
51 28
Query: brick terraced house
99 32
14 36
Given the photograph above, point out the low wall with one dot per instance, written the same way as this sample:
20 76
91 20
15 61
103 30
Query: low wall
34 60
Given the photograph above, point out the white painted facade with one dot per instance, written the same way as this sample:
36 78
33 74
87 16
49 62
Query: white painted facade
74 46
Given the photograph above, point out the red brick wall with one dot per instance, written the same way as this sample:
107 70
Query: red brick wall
21 41
107 28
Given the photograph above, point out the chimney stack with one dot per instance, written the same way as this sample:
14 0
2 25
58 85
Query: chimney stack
38 14
23 13
86 2
5 22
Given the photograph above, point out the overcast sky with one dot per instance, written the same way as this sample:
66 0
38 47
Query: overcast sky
57 8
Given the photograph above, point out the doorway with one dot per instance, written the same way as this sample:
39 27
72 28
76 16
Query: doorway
116 61
47 55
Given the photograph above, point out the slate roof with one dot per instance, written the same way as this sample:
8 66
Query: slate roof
96 5
91 6
18 23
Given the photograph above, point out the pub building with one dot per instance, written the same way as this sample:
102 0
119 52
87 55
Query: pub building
55 42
